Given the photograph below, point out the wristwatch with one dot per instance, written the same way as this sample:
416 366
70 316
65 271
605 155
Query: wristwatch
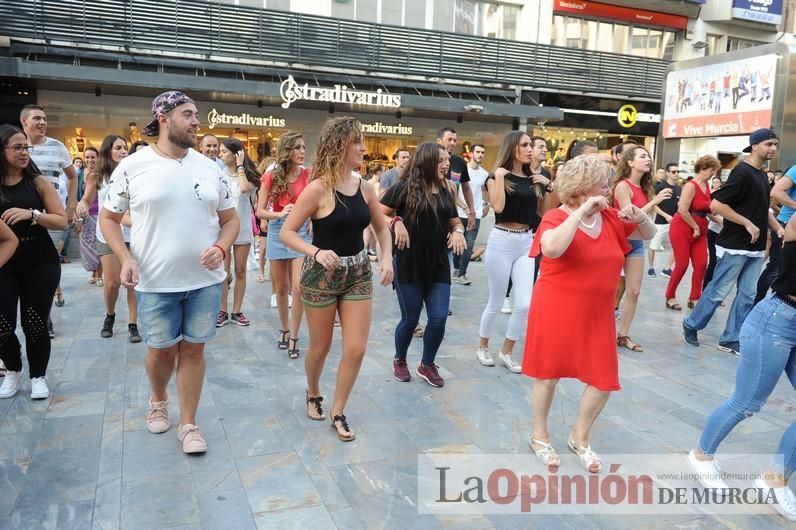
34 216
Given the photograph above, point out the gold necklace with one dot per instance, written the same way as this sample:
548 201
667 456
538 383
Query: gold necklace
166 155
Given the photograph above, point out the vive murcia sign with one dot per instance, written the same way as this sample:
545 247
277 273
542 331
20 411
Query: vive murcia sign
291 92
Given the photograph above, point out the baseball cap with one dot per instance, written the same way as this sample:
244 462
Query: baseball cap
163 104
760 135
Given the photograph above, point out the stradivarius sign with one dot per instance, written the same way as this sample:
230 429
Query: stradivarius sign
291 92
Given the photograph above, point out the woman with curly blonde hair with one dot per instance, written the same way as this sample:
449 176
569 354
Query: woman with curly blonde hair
279 191
336 275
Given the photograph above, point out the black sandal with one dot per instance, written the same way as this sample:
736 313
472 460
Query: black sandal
348 436
282 343
317 402
293 352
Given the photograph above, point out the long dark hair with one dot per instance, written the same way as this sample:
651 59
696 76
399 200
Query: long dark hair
623 172
29 173
420 178
105 163
284 151
234 146
508 152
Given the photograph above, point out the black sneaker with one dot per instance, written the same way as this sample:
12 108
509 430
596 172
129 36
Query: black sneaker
690 336
50 330
107 326
667 273
651 273
132 334
730 347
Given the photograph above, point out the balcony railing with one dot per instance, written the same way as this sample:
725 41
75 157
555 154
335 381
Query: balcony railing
230 32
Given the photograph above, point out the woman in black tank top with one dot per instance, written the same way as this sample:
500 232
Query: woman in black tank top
29 205
768 348
336 275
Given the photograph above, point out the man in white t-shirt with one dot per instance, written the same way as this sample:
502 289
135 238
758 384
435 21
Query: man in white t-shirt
54 163
183 225
478 177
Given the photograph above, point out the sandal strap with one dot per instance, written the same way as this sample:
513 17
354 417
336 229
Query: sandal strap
341 419
546 453
587 457
317 402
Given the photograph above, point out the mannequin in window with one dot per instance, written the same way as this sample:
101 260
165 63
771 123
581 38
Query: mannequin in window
78 143
134 135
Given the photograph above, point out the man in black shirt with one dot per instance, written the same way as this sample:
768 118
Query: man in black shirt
446 137
741 246
665 211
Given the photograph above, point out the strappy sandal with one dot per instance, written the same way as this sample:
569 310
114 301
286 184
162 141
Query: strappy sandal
588 458
547 455
627 342
320 416
674 306
100 282
692 303
419 331
346 435
59 300
282 343
260 278
293 352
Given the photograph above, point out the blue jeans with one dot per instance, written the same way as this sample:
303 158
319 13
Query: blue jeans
460 263
730 270
168 318
411 297
768 347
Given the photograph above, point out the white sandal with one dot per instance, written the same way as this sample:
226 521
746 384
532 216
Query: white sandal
547 455
588 458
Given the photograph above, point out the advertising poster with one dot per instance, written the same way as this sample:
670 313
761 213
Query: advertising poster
727 99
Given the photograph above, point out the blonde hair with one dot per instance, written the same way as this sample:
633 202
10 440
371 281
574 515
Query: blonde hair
336 135
579 175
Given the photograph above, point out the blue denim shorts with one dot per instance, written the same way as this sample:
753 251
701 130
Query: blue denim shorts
275 249
168 318
636 248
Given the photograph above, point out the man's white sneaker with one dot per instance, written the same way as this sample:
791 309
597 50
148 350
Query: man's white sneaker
484 357
506 309
10 385
509 363
38 388
707 473
289 300
786 501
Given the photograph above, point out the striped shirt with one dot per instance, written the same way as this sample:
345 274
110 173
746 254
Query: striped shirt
51 157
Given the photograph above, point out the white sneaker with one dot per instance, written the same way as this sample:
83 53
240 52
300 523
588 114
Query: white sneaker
461 280
506 309
38 388
786 501
10 385
509 363
708 473
484 357
289 300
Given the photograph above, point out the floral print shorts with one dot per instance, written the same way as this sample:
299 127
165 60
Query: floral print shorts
350 281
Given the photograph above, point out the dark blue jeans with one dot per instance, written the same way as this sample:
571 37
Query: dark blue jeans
411 297
460 263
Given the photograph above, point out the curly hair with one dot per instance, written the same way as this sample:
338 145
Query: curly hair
336 135
623 171
579 175
420 178
284 151
105 163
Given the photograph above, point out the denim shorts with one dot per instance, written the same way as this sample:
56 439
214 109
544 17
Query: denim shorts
168 318
636 248
275 249
352 280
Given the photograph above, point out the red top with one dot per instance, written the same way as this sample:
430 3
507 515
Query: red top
294 189
701 200
638 199
571 325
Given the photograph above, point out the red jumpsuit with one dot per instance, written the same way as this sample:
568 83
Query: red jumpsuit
686 247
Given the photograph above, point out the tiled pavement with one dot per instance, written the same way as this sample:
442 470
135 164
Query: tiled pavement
83 459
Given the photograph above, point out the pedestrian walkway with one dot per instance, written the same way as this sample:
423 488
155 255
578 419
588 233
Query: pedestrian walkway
83 458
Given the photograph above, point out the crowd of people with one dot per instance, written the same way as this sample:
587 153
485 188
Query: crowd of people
565 242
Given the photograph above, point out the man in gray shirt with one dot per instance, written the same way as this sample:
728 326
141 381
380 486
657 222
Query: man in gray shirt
401 158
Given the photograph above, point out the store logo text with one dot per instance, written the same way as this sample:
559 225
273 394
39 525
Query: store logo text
291 92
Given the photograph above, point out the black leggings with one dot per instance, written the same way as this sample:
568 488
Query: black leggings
32 285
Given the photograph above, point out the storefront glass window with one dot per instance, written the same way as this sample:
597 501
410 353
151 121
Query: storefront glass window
487 19
740 44
613 37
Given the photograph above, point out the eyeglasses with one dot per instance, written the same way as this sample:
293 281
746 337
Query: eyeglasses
18 148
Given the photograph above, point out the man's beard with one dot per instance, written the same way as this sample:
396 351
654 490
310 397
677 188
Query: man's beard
181 140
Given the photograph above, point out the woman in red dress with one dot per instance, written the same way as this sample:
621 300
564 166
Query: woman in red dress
583 245
689 232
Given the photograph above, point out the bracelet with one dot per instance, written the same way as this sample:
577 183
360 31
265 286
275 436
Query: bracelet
241 168
224 254
459 230
315 256
395 220
646 218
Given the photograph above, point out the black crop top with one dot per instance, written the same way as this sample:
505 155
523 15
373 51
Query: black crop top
341 230
25 195
785 284
520 205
